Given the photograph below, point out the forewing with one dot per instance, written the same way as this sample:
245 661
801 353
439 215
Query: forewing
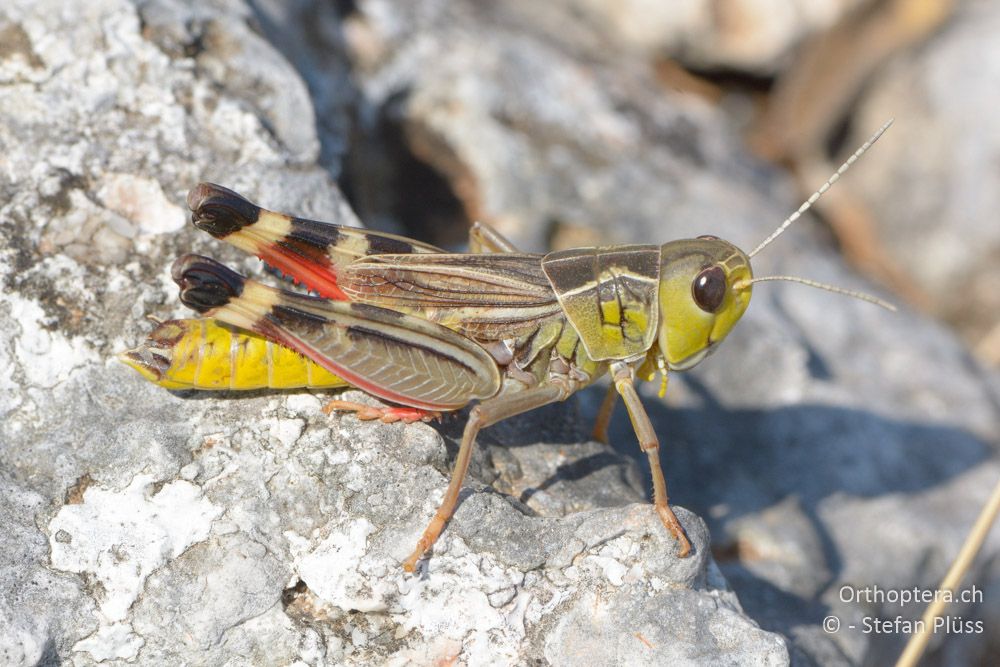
398 357
486 296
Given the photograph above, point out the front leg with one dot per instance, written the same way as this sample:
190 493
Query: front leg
649 443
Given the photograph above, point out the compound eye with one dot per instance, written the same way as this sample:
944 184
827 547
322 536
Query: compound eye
709 288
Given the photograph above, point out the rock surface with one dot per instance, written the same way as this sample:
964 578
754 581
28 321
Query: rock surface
754 36
826 444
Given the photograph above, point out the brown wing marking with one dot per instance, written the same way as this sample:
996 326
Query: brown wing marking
487 297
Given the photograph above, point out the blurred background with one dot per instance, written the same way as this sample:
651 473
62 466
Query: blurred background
827 443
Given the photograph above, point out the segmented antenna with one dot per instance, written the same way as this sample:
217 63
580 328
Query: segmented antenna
819 193
743 284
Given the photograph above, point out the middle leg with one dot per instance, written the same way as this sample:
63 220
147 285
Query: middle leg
600 432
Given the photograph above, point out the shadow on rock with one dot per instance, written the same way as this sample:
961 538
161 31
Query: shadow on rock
780 471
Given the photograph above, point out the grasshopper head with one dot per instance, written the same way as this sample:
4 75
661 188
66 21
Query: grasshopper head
703 293
705 284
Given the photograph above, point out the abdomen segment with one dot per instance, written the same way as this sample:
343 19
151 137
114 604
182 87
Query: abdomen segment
206 354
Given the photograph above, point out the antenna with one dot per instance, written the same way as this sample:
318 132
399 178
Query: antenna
819 193
744 284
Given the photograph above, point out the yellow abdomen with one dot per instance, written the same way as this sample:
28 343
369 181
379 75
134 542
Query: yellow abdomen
205 354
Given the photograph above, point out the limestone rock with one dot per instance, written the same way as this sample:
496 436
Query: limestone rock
826 443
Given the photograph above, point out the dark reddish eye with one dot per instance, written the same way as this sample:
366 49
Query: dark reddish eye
709 288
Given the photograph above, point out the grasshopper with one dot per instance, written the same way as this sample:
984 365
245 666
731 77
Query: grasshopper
430 331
